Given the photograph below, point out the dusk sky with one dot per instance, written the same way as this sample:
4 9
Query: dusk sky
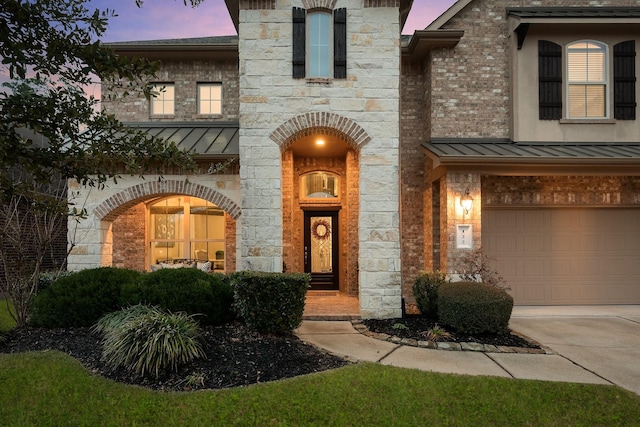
165 19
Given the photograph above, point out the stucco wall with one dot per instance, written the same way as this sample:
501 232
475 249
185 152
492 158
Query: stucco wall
470 84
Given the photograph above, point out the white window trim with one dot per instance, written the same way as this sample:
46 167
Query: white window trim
608 84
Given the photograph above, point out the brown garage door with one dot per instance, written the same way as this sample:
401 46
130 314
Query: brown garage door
566 256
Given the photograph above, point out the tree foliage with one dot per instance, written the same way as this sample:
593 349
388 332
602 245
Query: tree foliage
52 51
51 130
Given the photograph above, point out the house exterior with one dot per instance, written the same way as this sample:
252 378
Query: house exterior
329 143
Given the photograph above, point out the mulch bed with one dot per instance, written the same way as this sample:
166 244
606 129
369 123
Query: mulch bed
414 326
235 356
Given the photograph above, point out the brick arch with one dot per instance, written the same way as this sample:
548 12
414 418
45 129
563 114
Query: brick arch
319 4
328 123
118 203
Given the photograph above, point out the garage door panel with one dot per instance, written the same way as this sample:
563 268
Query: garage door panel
566 256
534 244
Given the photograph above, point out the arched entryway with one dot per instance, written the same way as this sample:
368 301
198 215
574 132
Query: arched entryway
149 223
320 199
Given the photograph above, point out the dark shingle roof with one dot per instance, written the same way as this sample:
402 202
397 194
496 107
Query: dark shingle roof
203 139
204 41
574 12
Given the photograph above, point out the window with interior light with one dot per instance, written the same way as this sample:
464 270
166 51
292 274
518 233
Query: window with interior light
587 80
209 98
593 83
163 99
320 185
186 227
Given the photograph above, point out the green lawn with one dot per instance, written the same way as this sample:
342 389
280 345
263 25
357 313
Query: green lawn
51 388
6 321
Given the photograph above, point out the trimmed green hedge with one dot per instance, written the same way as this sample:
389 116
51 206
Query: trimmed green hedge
270 302
474 308
80 299
425 290
186 289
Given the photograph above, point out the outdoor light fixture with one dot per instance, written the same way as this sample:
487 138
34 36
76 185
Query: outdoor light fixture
319 141
466 201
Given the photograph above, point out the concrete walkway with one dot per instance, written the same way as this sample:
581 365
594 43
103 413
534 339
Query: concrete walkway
596 345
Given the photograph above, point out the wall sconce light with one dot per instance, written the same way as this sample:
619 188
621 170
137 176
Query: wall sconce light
466 201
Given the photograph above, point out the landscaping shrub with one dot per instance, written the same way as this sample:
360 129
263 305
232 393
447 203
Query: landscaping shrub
474 308
425 290
80 299
186 289
47 278
270 302
475 266
147 340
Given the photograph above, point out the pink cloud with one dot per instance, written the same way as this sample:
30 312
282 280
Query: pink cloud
165 19
424 12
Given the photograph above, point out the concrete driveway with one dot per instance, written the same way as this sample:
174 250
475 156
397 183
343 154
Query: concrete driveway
604 340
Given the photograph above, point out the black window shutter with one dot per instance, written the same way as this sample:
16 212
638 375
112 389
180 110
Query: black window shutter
299 42
549 80
340 43
624 80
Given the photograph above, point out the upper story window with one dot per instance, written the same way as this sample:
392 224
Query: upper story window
163 100
319 185
319 44
587 80
591 90
209 98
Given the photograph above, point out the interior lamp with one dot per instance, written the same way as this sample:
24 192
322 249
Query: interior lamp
466 201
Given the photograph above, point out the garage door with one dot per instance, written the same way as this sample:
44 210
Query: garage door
566 256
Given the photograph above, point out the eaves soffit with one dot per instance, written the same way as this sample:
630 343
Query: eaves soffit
424 41
521 18
220 47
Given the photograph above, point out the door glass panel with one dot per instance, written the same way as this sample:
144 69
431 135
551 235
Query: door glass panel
321 249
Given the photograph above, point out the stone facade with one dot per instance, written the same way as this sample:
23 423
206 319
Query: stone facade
399 211
92 239
368 97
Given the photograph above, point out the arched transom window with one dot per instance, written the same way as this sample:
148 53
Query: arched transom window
587 79
316 185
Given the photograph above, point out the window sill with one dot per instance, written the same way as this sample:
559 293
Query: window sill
588 121
209 116
320 81
162 116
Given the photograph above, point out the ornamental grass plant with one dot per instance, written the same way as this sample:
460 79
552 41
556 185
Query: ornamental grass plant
148 341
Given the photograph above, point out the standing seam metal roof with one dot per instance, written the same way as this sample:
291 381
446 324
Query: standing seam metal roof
478 149
199 138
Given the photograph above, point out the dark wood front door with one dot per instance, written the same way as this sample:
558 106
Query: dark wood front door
321 249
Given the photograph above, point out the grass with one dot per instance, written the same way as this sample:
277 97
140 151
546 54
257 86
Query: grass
6 321
51 388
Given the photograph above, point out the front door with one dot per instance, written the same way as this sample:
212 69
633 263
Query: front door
321 249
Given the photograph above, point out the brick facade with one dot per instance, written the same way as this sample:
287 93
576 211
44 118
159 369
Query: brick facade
412 177
185 75
129 239
560 191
